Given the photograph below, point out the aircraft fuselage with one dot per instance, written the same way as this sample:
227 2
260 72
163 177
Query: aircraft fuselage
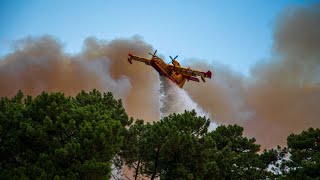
163 70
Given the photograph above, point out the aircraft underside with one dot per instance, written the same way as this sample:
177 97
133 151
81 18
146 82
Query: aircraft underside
174 77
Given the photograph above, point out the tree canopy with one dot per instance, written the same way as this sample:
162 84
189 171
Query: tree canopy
303 155
52 136
180 147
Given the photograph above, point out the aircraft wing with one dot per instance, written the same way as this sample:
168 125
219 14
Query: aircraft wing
136 58
190 72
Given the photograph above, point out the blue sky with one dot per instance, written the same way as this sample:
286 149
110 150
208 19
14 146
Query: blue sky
236 33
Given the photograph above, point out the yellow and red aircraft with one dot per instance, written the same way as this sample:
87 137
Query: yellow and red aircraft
174 72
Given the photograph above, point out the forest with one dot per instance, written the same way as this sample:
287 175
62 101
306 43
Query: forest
90 136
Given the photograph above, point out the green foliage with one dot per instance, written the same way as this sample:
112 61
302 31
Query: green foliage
304 155
54 136
180 147
169 148
183 153
237 156
132 150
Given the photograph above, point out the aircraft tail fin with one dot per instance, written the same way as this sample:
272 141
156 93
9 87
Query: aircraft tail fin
208 74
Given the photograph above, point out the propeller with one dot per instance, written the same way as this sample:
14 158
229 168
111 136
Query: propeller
173 58
154 54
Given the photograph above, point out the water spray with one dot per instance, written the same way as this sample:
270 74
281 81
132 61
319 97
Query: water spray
176 100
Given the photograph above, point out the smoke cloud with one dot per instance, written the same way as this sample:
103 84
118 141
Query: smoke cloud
285 93
281 96
39 64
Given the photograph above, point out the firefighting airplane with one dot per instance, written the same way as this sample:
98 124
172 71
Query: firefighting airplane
174 72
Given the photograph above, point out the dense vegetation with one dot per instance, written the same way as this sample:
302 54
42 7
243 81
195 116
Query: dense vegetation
53 136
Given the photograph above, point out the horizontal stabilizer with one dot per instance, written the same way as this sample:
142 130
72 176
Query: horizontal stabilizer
193 79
